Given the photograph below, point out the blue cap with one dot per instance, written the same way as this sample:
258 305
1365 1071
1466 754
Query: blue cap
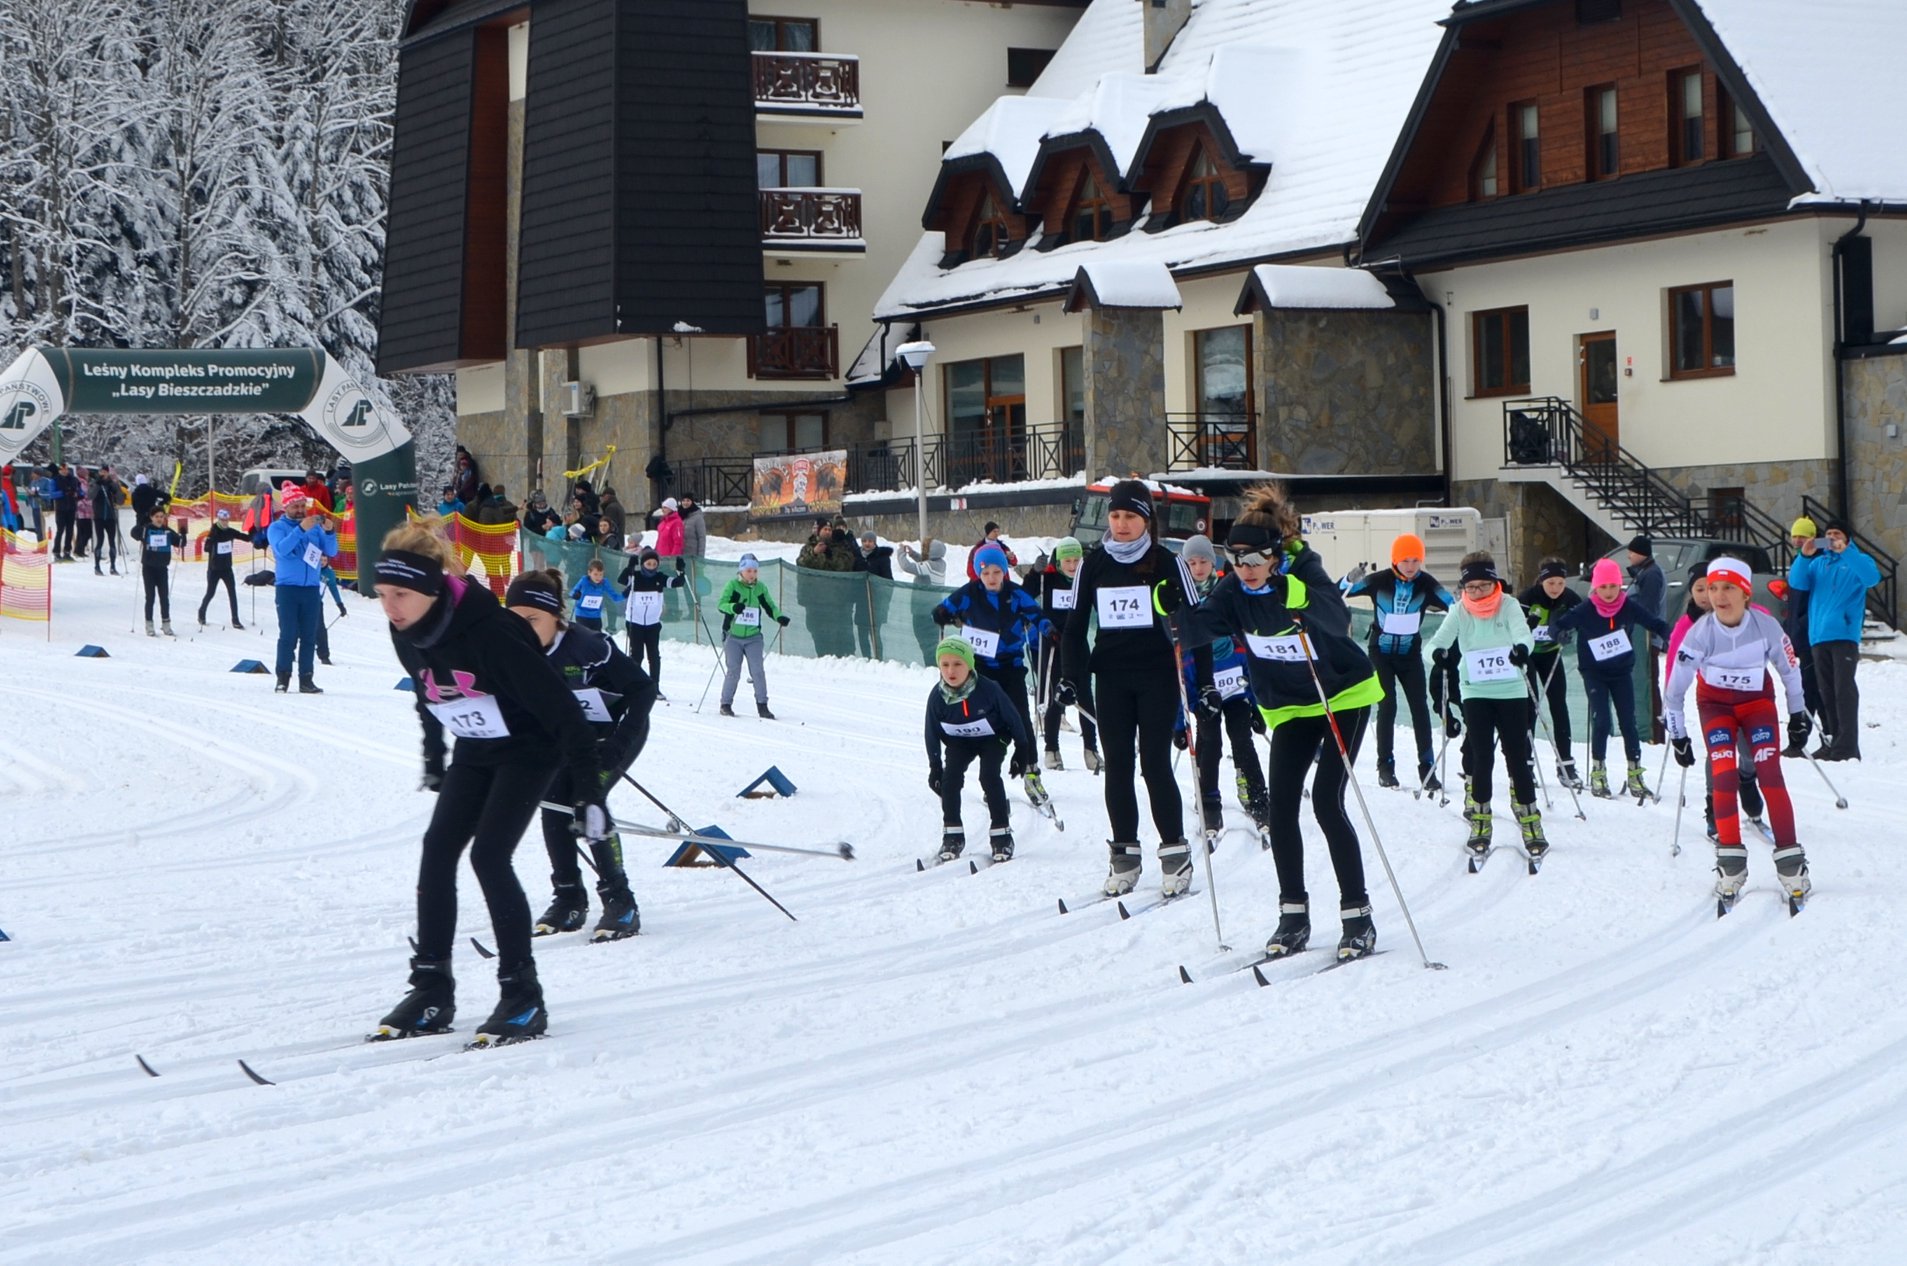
749 560
989 556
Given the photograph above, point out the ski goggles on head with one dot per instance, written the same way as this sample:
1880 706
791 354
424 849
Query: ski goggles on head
1249 556
1253 546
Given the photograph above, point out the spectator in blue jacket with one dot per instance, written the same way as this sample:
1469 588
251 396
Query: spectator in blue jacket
301 540
1836 577
994 615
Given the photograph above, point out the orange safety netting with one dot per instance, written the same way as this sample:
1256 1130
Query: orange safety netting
26 578
486 550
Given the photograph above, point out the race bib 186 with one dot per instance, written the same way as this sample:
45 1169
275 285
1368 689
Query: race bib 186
1610 646
1125 607
1491 664
749 617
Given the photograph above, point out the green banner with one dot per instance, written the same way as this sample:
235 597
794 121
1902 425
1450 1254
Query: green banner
192 381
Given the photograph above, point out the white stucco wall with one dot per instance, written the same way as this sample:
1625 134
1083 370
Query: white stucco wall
1038 334
1777 406
480 390
1208 305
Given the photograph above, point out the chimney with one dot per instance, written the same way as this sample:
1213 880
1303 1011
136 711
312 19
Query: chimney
1164 19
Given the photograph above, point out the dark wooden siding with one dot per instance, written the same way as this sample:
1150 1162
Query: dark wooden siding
420 319
567 236
688 230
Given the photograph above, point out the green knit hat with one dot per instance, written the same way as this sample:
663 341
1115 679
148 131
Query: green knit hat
1067 548
955 646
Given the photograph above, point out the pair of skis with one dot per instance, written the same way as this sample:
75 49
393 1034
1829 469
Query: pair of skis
1257 965
1531 860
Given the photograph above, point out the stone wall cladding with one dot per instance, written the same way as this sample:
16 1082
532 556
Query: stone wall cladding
1540 523
1345 392
1124 358
1876 394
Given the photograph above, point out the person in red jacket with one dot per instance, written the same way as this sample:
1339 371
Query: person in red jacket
316 489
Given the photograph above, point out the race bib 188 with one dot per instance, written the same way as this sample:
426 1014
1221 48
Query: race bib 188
225 547
1125 607
314 557
1610 645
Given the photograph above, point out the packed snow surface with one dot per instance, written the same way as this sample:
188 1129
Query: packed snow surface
926 1068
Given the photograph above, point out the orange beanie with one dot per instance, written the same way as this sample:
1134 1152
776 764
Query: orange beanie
1409 545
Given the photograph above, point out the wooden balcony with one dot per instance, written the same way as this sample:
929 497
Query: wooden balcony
817 85
811 220
795 351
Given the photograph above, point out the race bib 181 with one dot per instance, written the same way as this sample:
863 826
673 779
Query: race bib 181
1287 650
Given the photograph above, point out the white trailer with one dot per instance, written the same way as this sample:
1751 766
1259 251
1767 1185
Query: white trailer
1346 539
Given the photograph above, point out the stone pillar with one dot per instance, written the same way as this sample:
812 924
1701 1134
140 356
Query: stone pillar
1124 359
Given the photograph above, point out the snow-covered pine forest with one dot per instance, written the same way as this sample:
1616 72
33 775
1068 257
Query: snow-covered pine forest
201 173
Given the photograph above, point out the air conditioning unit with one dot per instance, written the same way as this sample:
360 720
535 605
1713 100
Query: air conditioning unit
578 399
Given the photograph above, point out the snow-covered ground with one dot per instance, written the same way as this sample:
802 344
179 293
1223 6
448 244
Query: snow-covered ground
927 1068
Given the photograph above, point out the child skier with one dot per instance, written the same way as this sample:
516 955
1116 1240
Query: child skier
156 543
1543 604
994 615
1229 701
1302 662
1606 656
1053 586
971 717
1399 597
1747 789
743 602
218 565
616 698
593 597
1489 640
1726 656
644 583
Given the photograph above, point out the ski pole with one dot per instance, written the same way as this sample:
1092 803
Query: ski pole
1191 746
675 820
1660 774
1840 801
1681 798
1542 719
841 852
713 669
1350 776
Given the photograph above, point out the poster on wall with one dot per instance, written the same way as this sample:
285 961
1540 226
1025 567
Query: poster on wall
798 486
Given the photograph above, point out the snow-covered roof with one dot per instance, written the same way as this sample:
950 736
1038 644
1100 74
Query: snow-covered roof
1318 91
1830 75
1124 283
1298 286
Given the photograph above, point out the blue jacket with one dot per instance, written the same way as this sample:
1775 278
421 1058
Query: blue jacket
1590 626
587 588
288 542
1390 596
1007 613
1836 585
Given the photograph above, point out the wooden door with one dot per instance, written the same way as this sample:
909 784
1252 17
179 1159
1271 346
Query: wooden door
1597 387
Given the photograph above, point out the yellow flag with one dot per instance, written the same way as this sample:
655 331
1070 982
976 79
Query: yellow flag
177 468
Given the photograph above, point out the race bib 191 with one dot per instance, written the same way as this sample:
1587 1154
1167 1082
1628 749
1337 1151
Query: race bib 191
749 617
1286 650
1745 679
1065 599
982 728
985 642
1230 681
1610 645
1491 664
1125 607
645 608
1403 623
475 717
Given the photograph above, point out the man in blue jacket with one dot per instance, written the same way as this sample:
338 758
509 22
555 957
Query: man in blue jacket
1836 578
300 544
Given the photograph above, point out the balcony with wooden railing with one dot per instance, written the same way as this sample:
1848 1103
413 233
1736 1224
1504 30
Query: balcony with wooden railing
819 85
795 351
795 219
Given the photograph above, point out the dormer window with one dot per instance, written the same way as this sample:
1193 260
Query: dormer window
991 235
1090 220
1205 197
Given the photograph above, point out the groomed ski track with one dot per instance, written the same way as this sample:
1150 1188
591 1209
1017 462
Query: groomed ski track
927 1068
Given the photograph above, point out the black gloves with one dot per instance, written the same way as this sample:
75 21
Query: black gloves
782 620
944 617
1181 740
1452 724
1209 702
1684 751
933 781
1167 596
678 580
1800 725
1257 721
1022 764
431 781
1066 694
1440 656
1519 655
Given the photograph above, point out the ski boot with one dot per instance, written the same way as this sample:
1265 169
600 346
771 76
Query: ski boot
1481 824
1124 875
1052 759
284 683
325 660
165 627
1387 775
1212 814
761 710
1091 758
1001 838
1731 873
1427 778
1258 804
1791 867
1599 781
1293 932
1175 862
236 625
1635 786
201 619
429 1007
1566 774
1708 818
1035 789
150 631
620 916
519 1015
309 686
1534 842
1244 792
953 842
1360 937
727 711
566 912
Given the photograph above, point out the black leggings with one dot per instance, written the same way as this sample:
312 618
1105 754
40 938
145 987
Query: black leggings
1551 667
212 578
1295 744
158 582
1237 714
1013 681
1137 713
961 753
559 840
1402 675
485 808
1488 722
645 642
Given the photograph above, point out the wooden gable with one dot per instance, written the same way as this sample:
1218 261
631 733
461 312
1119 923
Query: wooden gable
1060 175
1163 167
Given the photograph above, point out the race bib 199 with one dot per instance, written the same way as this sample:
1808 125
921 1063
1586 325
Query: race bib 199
474 717
1065 599
1403 623
1125 607
1610 645
1287 650
1230 681
984 641
645 608
1745 679
749 617
591 602
982 728
1491 664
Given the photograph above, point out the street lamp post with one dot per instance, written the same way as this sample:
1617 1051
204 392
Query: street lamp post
916 355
